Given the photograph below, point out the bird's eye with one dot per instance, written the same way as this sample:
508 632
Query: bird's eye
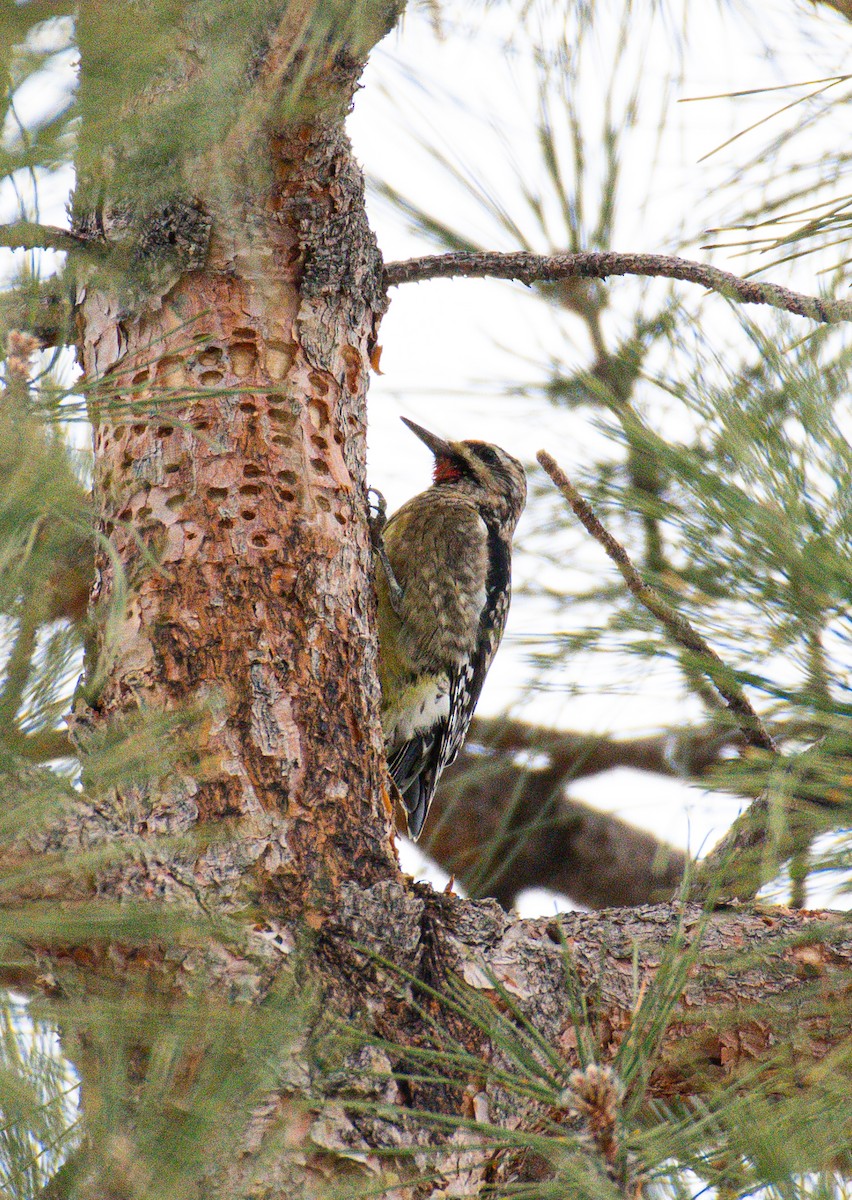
488 455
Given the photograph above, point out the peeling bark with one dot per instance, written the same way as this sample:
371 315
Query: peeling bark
234 507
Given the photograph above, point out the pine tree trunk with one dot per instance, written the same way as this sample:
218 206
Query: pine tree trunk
233 510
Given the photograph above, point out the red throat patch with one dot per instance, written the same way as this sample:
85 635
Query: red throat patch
446 470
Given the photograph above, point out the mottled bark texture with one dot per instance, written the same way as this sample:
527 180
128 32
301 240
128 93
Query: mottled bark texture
616 956
719 972
233 512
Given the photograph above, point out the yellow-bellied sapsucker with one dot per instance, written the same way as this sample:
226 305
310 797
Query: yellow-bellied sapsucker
443 579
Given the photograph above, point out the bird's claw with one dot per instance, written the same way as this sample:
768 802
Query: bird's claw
377 516
377 519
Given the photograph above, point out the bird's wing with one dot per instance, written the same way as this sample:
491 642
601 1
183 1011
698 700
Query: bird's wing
439 747
415 769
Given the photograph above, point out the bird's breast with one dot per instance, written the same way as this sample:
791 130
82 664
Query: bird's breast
416 709
440 556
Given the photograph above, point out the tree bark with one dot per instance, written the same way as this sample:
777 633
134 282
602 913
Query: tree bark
234 508
717 973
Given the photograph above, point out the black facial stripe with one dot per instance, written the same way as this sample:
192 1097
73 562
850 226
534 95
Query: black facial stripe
487 454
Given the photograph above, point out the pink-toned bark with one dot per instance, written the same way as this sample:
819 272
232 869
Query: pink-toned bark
233 501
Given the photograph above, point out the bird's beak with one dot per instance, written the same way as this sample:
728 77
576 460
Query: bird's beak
438 446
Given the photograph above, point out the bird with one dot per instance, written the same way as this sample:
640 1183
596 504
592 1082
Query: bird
443 586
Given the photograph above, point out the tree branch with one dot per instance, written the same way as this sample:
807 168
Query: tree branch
530 958
501 826
500 829
720 1020
673 998
544 268
518 954
678 628
29 235
679 752
40 747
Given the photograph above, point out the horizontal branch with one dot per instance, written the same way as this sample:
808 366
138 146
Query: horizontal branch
29 235
513 830
759 980
677 1002
549 268
680 752
41 747
500 826
722 1020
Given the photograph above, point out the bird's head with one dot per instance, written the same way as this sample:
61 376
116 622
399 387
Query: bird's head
495 479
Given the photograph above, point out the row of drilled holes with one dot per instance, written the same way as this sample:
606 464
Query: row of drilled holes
278 414
219 495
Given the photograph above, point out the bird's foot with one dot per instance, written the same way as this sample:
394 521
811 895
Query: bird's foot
377 515
377 519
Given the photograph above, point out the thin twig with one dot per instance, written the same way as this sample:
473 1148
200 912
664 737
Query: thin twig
678 628
548 268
